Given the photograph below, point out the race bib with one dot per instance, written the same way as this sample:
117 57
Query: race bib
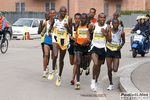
137 37
113 45
61 33
82 33
74 34
98 36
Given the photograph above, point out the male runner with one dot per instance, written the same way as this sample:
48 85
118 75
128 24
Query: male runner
113 53
41 31
71 49
62 27
115 16
47 40
93 13
101 33
81 47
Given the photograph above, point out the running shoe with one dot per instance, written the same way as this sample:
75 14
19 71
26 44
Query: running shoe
72 81
58 81
87 71
77 86
47 70
81 70
93 85
51 75
44 76
111 87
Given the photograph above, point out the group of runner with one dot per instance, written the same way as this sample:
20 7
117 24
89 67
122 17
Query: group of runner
87 39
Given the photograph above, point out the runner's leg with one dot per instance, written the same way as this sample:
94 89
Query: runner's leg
61 61
109 66
55 54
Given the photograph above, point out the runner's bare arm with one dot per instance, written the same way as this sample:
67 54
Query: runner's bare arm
108 22
40 27
70 25
122 41
108 36
89 32
51 26
45 24
121 23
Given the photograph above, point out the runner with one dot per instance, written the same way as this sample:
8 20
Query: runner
115 16
41 31
93 13
113 53
62 26
47 40
82 47
71 49
101 33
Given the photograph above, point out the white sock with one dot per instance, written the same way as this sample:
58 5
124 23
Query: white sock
81 68
44 72
78 82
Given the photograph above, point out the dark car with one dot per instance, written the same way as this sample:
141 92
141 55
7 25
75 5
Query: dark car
8 32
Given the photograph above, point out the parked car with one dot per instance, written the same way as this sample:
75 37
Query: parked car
8 32
23 25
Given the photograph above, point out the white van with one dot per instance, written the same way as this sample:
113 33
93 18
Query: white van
23 25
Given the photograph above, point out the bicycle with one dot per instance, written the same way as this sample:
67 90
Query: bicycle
3 44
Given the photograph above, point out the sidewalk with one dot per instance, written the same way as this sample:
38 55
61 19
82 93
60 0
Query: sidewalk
135 79
141 77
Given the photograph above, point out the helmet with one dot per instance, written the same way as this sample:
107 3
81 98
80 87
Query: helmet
138 17
143 17
0 13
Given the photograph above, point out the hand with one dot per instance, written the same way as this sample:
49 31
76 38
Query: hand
89 40
75 44
84 44
72 38
132 32
66 25
119 48
42 34
49 34
103 31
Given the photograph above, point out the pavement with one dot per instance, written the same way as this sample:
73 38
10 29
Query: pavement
132 76
135 78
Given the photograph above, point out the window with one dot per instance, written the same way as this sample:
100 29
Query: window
118 8
20 6
35 23
49 5
106 9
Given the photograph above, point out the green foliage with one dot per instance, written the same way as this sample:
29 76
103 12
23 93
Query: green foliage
127 12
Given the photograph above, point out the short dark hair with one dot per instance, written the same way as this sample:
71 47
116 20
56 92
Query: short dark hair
93 9
147 15
77 14
52 9
101 14
84 14
115 20
116 13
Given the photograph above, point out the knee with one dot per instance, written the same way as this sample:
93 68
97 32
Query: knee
55 57
61 61
115 70
95 63
71 62
46 55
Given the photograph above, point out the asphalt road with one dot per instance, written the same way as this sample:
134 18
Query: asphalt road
21 75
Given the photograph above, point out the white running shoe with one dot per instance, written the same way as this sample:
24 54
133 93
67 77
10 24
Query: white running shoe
93 85
111 87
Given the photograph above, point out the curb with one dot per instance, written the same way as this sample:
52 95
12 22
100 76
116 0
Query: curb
125 82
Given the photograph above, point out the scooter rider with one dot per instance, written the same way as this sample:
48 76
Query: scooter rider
143 27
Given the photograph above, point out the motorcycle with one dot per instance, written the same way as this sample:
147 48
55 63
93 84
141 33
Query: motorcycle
139 43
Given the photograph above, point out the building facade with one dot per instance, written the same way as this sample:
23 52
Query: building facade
74 6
